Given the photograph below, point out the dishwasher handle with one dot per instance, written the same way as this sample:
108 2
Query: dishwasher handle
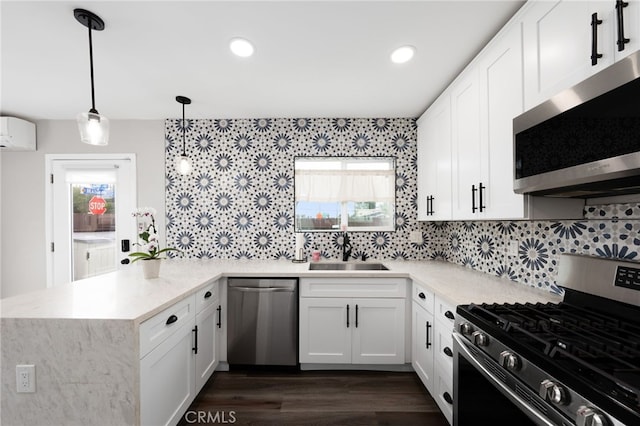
261 289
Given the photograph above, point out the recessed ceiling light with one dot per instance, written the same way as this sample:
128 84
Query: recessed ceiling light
241 47
402 54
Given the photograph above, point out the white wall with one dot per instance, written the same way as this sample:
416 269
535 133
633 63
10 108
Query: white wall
23 247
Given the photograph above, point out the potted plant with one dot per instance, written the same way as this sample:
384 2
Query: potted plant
150 245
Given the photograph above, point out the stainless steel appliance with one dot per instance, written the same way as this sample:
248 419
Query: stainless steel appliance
583 142
576 362
262 325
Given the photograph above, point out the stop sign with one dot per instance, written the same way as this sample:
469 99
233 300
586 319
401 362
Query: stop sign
97 205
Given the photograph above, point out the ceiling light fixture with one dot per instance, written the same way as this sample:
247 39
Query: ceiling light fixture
402 54
94 128
241 47
183 164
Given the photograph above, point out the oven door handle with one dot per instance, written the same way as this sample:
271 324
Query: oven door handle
459 343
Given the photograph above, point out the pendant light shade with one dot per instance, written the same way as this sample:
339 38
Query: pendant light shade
93 127
183 162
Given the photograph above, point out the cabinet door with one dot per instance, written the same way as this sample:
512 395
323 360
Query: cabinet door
378 331
466 150
501 80
325 330
630 26
167 380
557 41
207 354
434 162
422 345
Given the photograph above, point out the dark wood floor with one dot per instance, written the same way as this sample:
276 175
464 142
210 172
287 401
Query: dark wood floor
314 398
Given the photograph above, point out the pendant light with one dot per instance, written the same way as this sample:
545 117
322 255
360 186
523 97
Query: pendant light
183 163
94 128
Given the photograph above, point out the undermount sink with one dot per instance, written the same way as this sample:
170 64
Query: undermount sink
346 266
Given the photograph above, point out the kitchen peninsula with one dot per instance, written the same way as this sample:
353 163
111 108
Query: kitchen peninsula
84 337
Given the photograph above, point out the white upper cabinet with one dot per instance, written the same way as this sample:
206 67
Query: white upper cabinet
434 162
500 90
567 41
466 167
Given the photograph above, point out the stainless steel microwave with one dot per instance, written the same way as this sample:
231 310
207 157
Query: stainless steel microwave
585 141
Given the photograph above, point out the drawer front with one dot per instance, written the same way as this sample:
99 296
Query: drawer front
444 346
206 296
444 393
158 328
423 297
445 312
353 287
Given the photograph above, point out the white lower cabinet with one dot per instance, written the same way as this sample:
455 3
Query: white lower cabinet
432 346
352 330
178 354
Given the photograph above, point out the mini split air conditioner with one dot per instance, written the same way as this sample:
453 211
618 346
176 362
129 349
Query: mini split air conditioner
17 134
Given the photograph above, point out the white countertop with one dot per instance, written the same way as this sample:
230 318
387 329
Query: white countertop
126 295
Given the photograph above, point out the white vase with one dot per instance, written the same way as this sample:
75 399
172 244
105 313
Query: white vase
151 268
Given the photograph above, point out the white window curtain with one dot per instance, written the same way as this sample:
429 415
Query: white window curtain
345 185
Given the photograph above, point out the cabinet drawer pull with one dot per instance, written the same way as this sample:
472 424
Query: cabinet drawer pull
447 351
449 315
219 323
473 198
481 193
428 343
620 5
447 398
421 295
356 316
171 319
195 340
594 39
207 295
347 316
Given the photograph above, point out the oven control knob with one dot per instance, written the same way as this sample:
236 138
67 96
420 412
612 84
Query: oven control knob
552 391
509 360
466 329
480 339
588 416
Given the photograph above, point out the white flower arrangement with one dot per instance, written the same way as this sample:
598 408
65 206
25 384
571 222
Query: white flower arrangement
149 235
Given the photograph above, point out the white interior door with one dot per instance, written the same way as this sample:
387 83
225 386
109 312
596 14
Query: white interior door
91 201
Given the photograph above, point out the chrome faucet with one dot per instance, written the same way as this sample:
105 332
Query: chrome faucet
346 247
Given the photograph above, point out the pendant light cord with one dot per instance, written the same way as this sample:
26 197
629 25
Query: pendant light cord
93 95
184 152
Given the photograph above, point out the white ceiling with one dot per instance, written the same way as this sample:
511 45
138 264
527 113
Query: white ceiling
313 58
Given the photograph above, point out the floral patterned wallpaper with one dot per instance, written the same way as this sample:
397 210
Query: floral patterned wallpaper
238 202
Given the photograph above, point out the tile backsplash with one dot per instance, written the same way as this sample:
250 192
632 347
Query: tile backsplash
238 202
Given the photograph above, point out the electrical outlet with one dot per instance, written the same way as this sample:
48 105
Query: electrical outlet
513 248
25 378
415 237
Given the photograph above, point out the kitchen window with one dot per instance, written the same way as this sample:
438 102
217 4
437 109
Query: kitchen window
344 193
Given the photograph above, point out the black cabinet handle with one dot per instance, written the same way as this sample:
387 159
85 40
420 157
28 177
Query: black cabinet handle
207 295
432 211
620 5
421 295
447 398
473 198
449 315
481 192
430 205
347 316
447 351
428 343
171 319
594 39
219 309
356 316
195 340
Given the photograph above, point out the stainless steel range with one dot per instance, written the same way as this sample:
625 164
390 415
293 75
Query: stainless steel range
576 362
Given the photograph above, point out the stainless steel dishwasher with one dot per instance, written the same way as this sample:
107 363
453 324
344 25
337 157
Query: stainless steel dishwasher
262 325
